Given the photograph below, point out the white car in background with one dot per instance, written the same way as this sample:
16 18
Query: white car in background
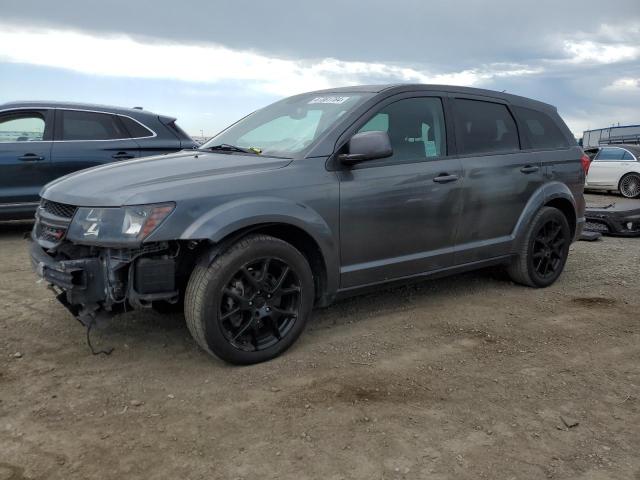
615 168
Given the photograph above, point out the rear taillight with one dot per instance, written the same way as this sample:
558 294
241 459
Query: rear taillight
586 163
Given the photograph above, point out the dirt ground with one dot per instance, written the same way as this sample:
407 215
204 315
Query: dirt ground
470 377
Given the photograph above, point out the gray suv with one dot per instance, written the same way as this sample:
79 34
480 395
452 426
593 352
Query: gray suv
313 198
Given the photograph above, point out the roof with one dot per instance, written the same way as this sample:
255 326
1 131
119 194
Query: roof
74 105
628 146
408 87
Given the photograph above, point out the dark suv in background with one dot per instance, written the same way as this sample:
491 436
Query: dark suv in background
41 141
316 197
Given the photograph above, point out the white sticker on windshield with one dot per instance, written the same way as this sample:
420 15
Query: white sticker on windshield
334 100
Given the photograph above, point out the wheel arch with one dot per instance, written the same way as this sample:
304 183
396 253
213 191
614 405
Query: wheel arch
293 223
568 210
555 194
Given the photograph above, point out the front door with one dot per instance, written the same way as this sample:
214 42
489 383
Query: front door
398 215
25 147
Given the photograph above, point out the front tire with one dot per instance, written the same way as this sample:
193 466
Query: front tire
629 186
252 303
543 251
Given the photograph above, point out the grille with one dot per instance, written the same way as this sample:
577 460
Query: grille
58 209
51 234
596 227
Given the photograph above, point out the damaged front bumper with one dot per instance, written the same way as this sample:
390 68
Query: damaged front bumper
108 281
613 220
80 283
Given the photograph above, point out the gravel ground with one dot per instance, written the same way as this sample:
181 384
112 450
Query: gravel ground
469 377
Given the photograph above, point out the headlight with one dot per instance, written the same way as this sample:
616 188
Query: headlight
105 226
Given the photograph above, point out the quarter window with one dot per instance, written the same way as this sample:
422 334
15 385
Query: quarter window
78 125
627 156
415 127
135 129
541 129
484 127
21 127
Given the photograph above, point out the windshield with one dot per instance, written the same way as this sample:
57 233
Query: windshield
289 126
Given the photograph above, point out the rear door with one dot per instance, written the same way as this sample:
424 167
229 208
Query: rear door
85 139
606 167
25 148
499 178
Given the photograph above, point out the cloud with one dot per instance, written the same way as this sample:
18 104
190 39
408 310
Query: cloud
625 84
122 56
588 51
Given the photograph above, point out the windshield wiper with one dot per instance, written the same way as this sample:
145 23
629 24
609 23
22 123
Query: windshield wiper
225 147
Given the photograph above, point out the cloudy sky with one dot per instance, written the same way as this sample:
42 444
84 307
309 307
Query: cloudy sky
209 62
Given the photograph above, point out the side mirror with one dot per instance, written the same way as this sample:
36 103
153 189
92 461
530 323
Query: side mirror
367 146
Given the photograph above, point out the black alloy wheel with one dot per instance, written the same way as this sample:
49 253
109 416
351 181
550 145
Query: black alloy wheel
548 249
252 302
260 304
543 249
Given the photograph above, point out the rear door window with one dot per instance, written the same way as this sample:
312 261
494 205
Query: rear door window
627 156
542 131
484 127
81 125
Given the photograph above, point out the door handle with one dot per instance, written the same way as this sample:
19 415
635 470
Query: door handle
445 178
122 156
529 169
31 157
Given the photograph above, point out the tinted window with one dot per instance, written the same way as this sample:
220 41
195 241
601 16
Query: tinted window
541 129
415 127
135 129
610 154
21 127
77 125
627 156
484 127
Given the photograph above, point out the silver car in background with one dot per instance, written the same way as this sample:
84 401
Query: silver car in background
615 168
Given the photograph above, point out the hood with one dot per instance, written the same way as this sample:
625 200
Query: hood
125 183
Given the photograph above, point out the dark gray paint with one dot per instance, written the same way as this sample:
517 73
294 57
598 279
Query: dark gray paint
375 222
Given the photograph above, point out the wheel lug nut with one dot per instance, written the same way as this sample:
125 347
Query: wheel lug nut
250 303
268 309
268 295
258 292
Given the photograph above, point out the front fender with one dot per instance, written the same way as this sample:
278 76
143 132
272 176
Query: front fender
240 214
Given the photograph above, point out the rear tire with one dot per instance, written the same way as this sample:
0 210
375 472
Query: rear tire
543 252
252 303
629 185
